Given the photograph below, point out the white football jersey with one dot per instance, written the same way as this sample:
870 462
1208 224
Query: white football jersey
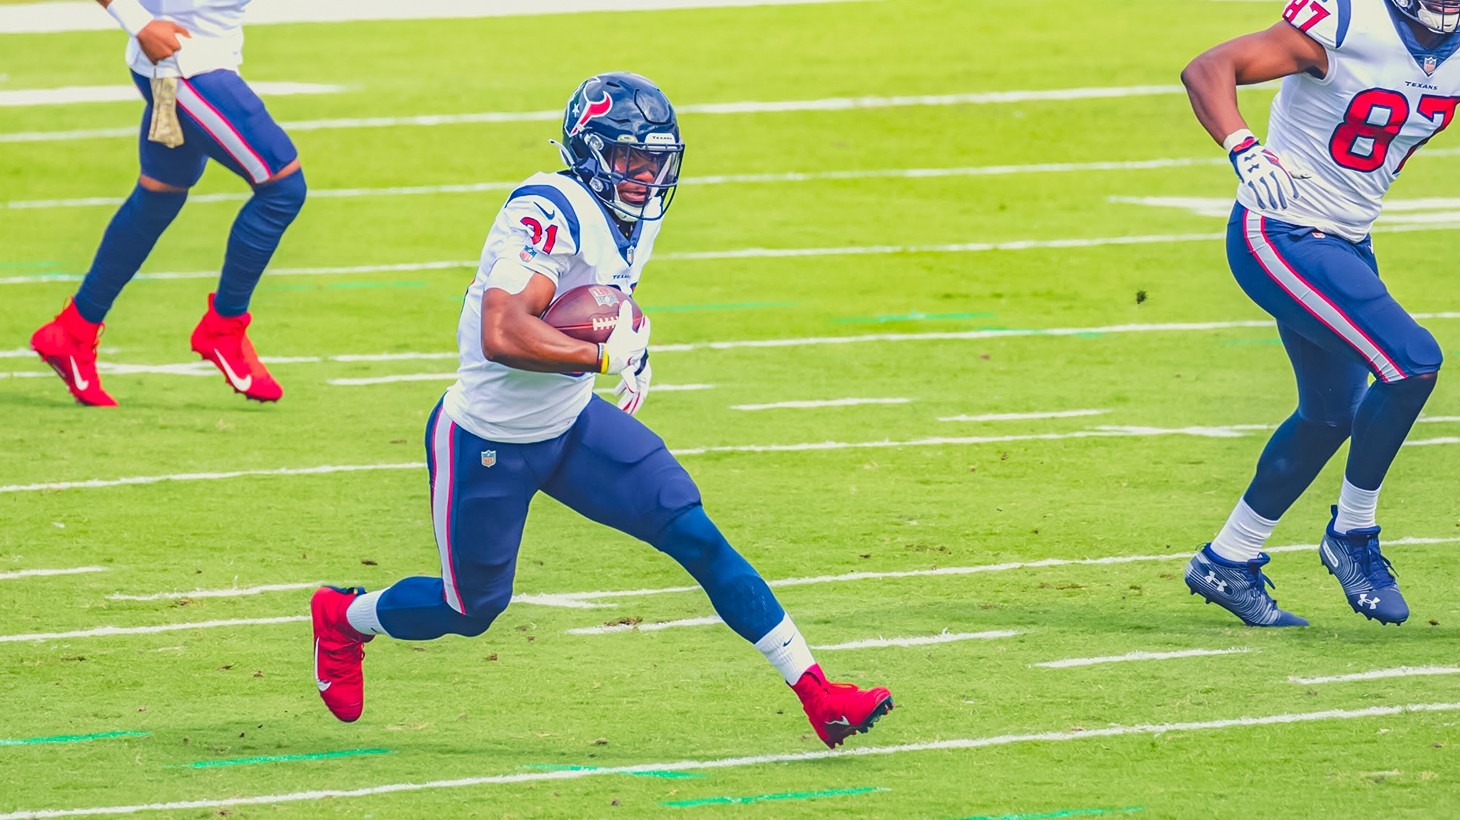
552 225
1351 131
216 27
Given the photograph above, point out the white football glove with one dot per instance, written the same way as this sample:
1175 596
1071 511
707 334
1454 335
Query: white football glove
625 347
633 387
1264 175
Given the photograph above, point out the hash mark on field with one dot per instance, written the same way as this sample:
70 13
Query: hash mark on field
31 573
943 637
1058 414
1141 656
1396 672
754 760
824 403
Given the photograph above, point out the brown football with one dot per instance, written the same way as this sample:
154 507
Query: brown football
588 312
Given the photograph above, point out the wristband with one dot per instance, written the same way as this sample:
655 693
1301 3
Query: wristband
1236 138
130 14
602 358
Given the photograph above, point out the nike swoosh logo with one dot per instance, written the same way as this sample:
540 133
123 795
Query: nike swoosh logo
842 721
241 385
322 684
788 642
545 212
81 384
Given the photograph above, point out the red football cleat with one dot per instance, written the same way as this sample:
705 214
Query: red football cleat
338 652
839 710
223 340
68 344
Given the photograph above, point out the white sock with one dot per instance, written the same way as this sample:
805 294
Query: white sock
1356 508
362 614
1243 535
787 651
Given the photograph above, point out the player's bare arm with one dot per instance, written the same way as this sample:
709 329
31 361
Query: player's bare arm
157 38
514 335
1211 79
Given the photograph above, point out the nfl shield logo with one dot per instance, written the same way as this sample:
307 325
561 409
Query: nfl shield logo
1429 64
629 255
489 458
527 253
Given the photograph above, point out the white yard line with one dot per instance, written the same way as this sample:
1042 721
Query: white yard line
1397 672
1149 729
1141 656
34 573
568 599
977 568
72 94
1232 431
823 403
741 107
404 377
1057 414
743 179
154 479
724 179
746 253
145 630
943 637
56 17
236 592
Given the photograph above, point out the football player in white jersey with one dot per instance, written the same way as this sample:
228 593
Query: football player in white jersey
1365 83
522 418
184 56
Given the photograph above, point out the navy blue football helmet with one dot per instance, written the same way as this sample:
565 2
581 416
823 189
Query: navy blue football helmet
620 136
1439 16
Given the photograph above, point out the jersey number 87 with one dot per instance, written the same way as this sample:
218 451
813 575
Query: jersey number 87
1359 131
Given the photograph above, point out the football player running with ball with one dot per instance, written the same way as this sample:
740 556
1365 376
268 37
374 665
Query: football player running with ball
522 418
1365 83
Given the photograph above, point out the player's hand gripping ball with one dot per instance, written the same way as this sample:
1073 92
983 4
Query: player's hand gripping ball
588 312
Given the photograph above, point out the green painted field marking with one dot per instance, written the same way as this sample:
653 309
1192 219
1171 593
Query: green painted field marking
38 264
918 316
350 285
552 768
71 738
787 796
1057 814
739 306
243 761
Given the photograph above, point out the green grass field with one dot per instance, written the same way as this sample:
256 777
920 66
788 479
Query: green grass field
1099 305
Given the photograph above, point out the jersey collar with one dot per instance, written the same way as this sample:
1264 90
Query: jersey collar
626 244
1442 51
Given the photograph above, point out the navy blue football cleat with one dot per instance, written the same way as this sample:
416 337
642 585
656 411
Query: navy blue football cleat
1366 575
1239 588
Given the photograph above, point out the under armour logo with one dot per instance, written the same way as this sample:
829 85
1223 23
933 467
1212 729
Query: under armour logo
1216 582
1365 599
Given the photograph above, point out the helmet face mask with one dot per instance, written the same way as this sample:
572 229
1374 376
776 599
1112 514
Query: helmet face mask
1439 16
621 138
